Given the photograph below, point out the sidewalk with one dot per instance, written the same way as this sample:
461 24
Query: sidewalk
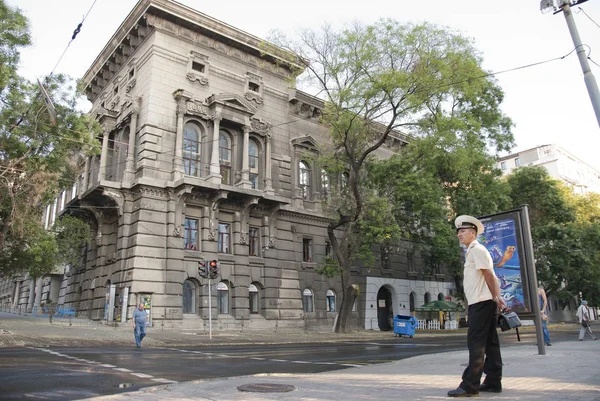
570 370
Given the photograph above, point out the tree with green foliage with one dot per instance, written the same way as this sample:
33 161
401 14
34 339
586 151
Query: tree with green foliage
379 79
39 157
565 229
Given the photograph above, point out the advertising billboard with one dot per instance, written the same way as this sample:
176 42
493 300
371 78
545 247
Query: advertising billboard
504 240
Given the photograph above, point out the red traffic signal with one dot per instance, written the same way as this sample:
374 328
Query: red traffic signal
213 269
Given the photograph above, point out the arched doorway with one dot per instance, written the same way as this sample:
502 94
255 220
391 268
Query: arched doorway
384 309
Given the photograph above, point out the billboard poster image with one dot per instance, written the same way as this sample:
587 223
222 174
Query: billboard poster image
502 238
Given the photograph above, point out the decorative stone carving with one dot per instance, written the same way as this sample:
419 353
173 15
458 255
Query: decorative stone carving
212 234
130 85
216 116
193 77
271 242
98 238
253 97
243 238
260 127
177 231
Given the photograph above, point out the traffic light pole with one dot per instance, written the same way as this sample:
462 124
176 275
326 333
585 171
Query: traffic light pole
209 309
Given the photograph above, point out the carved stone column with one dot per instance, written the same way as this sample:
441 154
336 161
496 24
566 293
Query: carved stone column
268 178
130 170
86 176
245 182
103 156
215 167
31 294
178 158
38 294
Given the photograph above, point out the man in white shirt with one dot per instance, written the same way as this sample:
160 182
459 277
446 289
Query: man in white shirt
482 291
584 315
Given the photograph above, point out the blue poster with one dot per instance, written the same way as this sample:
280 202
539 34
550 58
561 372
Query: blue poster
500 239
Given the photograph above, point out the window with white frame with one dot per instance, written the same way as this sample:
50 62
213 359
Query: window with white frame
253 295
225 157
503 165
330 301
307 300
304 179
223 298
253 163
223 240
192 148
517 162
190 234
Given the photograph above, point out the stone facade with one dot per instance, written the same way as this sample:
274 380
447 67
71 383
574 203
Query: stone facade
203 158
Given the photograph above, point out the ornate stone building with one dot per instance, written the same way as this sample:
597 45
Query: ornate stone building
204 158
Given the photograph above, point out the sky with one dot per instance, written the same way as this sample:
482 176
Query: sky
548 102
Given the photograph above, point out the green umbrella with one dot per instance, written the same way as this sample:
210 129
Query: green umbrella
444 306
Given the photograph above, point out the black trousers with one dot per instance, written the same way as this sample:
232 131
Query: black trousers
484 347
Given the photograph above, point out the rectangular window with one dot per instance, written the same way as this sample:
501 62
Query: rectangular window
223 301
253 302
198 67
253 181
327 248
307 250
190 235
223 245
253 242
517 162
253 87
503 165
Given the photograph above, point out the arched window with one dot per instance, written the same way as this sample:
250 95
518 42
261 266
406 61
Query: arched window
225 157
307 300
426 298
325 185
223 298
253 163
192 149
189 296
412 302
253 294
304 179
330 301
440 296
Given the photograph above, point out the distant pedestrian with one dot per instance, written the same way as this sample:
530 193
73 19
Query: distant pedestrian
584 315
543 301
139 324
482 291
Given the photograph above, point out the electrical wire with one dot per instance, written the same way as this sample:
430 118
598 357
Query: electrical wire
583 11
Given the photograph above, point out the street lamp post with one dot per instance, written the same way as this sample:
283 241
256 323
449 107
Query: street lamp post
590 82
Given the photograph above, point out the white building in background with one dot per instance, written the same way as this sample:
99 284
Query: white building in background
560 164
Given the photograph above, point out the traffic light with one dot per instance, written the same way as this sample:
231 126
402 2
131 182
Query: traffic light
202 269
213 269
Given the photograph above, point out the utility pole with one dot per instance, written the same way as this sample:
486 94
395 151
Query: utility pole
588 77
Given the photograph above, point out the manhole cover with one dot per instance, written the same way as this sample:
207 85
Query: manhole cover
266 388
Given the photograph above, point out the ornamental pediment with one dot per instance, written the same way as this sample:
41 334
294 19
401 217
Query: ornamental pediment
231 101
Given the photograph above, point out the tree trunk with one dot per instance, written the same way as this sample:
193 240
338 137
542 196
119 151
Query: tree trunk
349 296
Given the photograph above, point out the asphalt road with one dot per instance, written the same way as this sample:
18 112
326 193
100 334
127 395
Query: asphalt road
63 373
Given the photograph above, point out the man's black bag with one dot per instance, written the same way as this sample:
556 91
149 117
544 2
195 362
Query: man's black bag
508 320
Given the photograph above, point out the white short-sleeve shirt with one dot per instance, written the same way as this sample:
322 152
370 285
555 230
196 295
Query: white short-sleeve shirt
478 258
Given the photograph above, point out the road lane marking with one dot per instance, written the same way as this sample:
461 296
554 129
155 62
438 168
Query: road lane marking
160 380
123 370
142 375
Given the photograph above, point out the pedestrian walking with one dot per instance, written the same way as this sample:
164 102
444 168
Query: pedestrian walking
139 324
584 315
482 291
543 302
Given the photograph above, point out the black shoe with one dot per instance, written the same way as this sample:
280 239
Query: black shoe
460 392
549 344
490 389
